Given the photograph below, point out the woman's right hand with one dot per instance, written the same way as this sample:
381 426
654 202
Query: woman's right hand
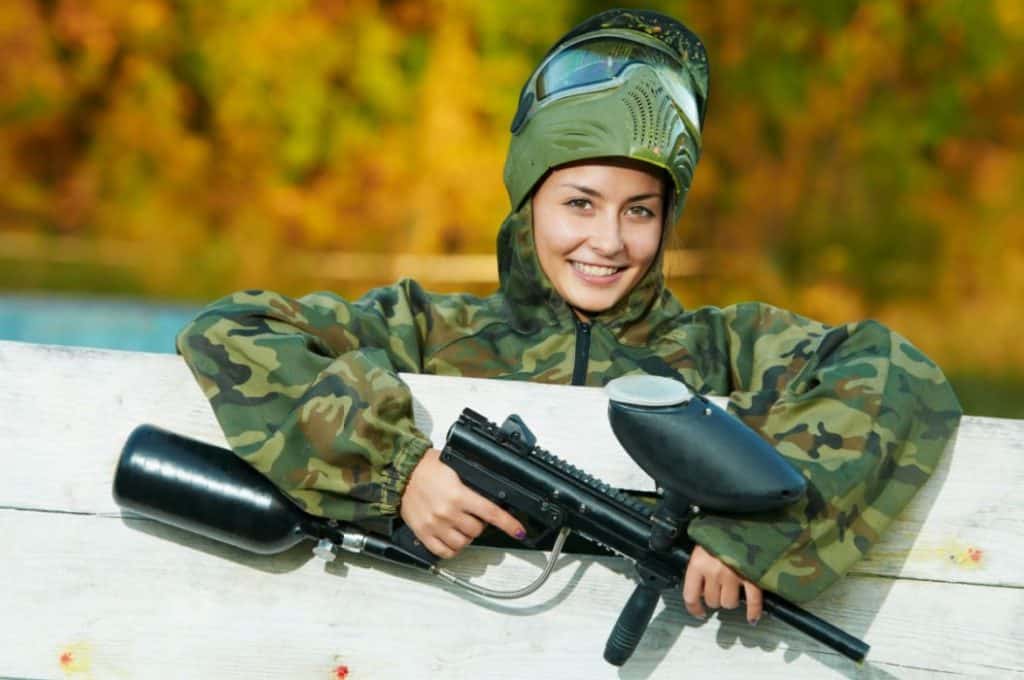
445 514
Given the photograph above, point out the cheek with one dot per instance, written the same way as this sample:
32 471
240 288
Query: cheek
555 237
644 244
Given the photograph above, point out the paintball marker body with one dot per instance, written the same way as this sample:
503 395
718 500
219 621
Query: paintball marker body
696 453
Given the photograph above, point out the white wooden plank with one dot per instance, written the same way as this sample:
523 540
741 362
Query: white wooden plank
71 409
66 413
136 599
967 523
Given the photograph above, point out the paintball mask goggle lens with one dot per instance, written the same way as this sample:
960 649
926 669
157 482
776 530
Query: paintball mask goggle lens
602 61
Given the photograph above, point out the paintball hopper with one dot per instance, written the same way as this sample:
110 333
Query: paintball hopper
699 454
702 459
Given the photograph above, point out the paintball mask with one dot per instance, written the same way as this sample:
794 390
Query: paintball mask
625 83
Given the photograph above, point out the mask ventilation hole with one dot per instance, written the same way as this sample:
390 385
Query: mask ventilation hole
651 113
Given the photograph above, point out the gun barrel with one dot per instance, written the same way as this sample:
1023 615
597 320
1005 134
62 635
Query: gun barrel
824 632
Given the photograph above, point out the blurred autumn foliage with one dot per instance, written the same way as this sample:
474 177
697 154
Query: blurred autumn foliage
861 159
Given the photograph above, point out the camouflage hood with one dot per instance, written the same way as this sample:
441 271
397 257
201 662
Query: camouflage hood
532 303
626 84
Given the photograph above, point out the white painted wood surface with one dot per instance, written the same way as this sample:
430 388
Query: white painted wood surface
88 593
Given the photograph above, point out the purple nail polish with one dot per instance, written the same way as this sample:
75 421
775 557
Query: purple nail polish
753 622
520 534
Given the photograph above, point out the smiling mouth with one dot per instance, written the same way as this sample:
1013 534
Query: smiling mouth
595 270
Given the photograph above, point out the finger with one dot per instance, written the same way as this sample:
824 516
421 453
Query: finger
469 525
712 593
456 540
729 596
438 547
692 587
492 514
755 602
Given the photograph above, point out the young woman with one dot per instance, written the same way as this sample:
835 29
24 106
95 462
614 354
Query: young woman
603 149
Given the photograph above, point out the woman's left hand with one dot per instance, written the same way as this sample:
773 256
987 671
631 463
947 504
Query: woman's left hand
710 579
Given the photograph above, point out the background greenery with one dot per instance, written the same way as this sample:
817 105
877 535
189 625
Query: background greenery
862 159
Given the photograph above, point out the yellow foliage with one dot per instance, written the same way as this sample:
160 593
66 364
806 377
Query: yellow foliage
859 160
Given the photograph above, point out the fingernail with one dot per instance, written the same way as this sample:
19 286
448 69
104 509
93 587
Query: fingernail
520 534
753 622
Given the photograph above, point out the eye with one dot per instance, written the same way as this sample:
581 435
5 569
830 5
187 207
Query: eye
640 211
579 203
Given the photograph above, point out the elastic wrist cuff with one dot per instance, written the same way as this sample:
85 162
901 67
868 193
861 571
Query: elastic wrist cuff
410 452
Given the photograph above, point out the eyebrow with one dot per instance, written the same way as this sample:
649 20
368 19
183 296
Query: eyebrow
597 194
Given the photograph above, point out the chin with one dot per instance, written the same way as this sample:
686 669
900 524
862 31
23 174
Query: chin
592 307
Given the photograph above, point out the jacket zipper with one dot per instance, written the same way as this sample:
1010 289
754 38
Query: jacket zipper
579 370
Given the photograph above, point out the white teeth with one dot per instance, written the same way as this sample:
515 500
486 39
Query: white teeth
593 269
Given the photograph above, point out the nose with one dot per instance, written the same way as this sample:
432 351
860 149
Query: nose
606 235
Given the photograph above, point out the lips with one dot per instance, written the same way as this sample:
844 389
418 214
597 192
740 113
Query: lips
595 270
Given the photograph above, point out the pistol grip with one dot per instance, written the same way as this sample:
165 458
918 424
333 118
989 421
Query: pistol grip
507 494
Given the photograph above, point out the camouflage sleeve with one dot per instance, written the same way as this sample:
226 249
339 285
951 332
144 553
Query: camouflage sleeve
306 391
861 412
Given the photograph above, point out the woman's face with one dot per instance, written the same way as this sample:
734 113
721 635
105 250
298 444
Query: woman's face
597 228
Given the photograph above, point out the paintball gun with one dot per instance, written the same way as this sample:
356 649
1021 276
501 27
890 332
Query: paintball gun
702 459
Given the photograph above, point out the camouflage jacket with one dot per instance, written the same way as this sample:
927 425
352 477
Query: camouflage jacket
308 391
